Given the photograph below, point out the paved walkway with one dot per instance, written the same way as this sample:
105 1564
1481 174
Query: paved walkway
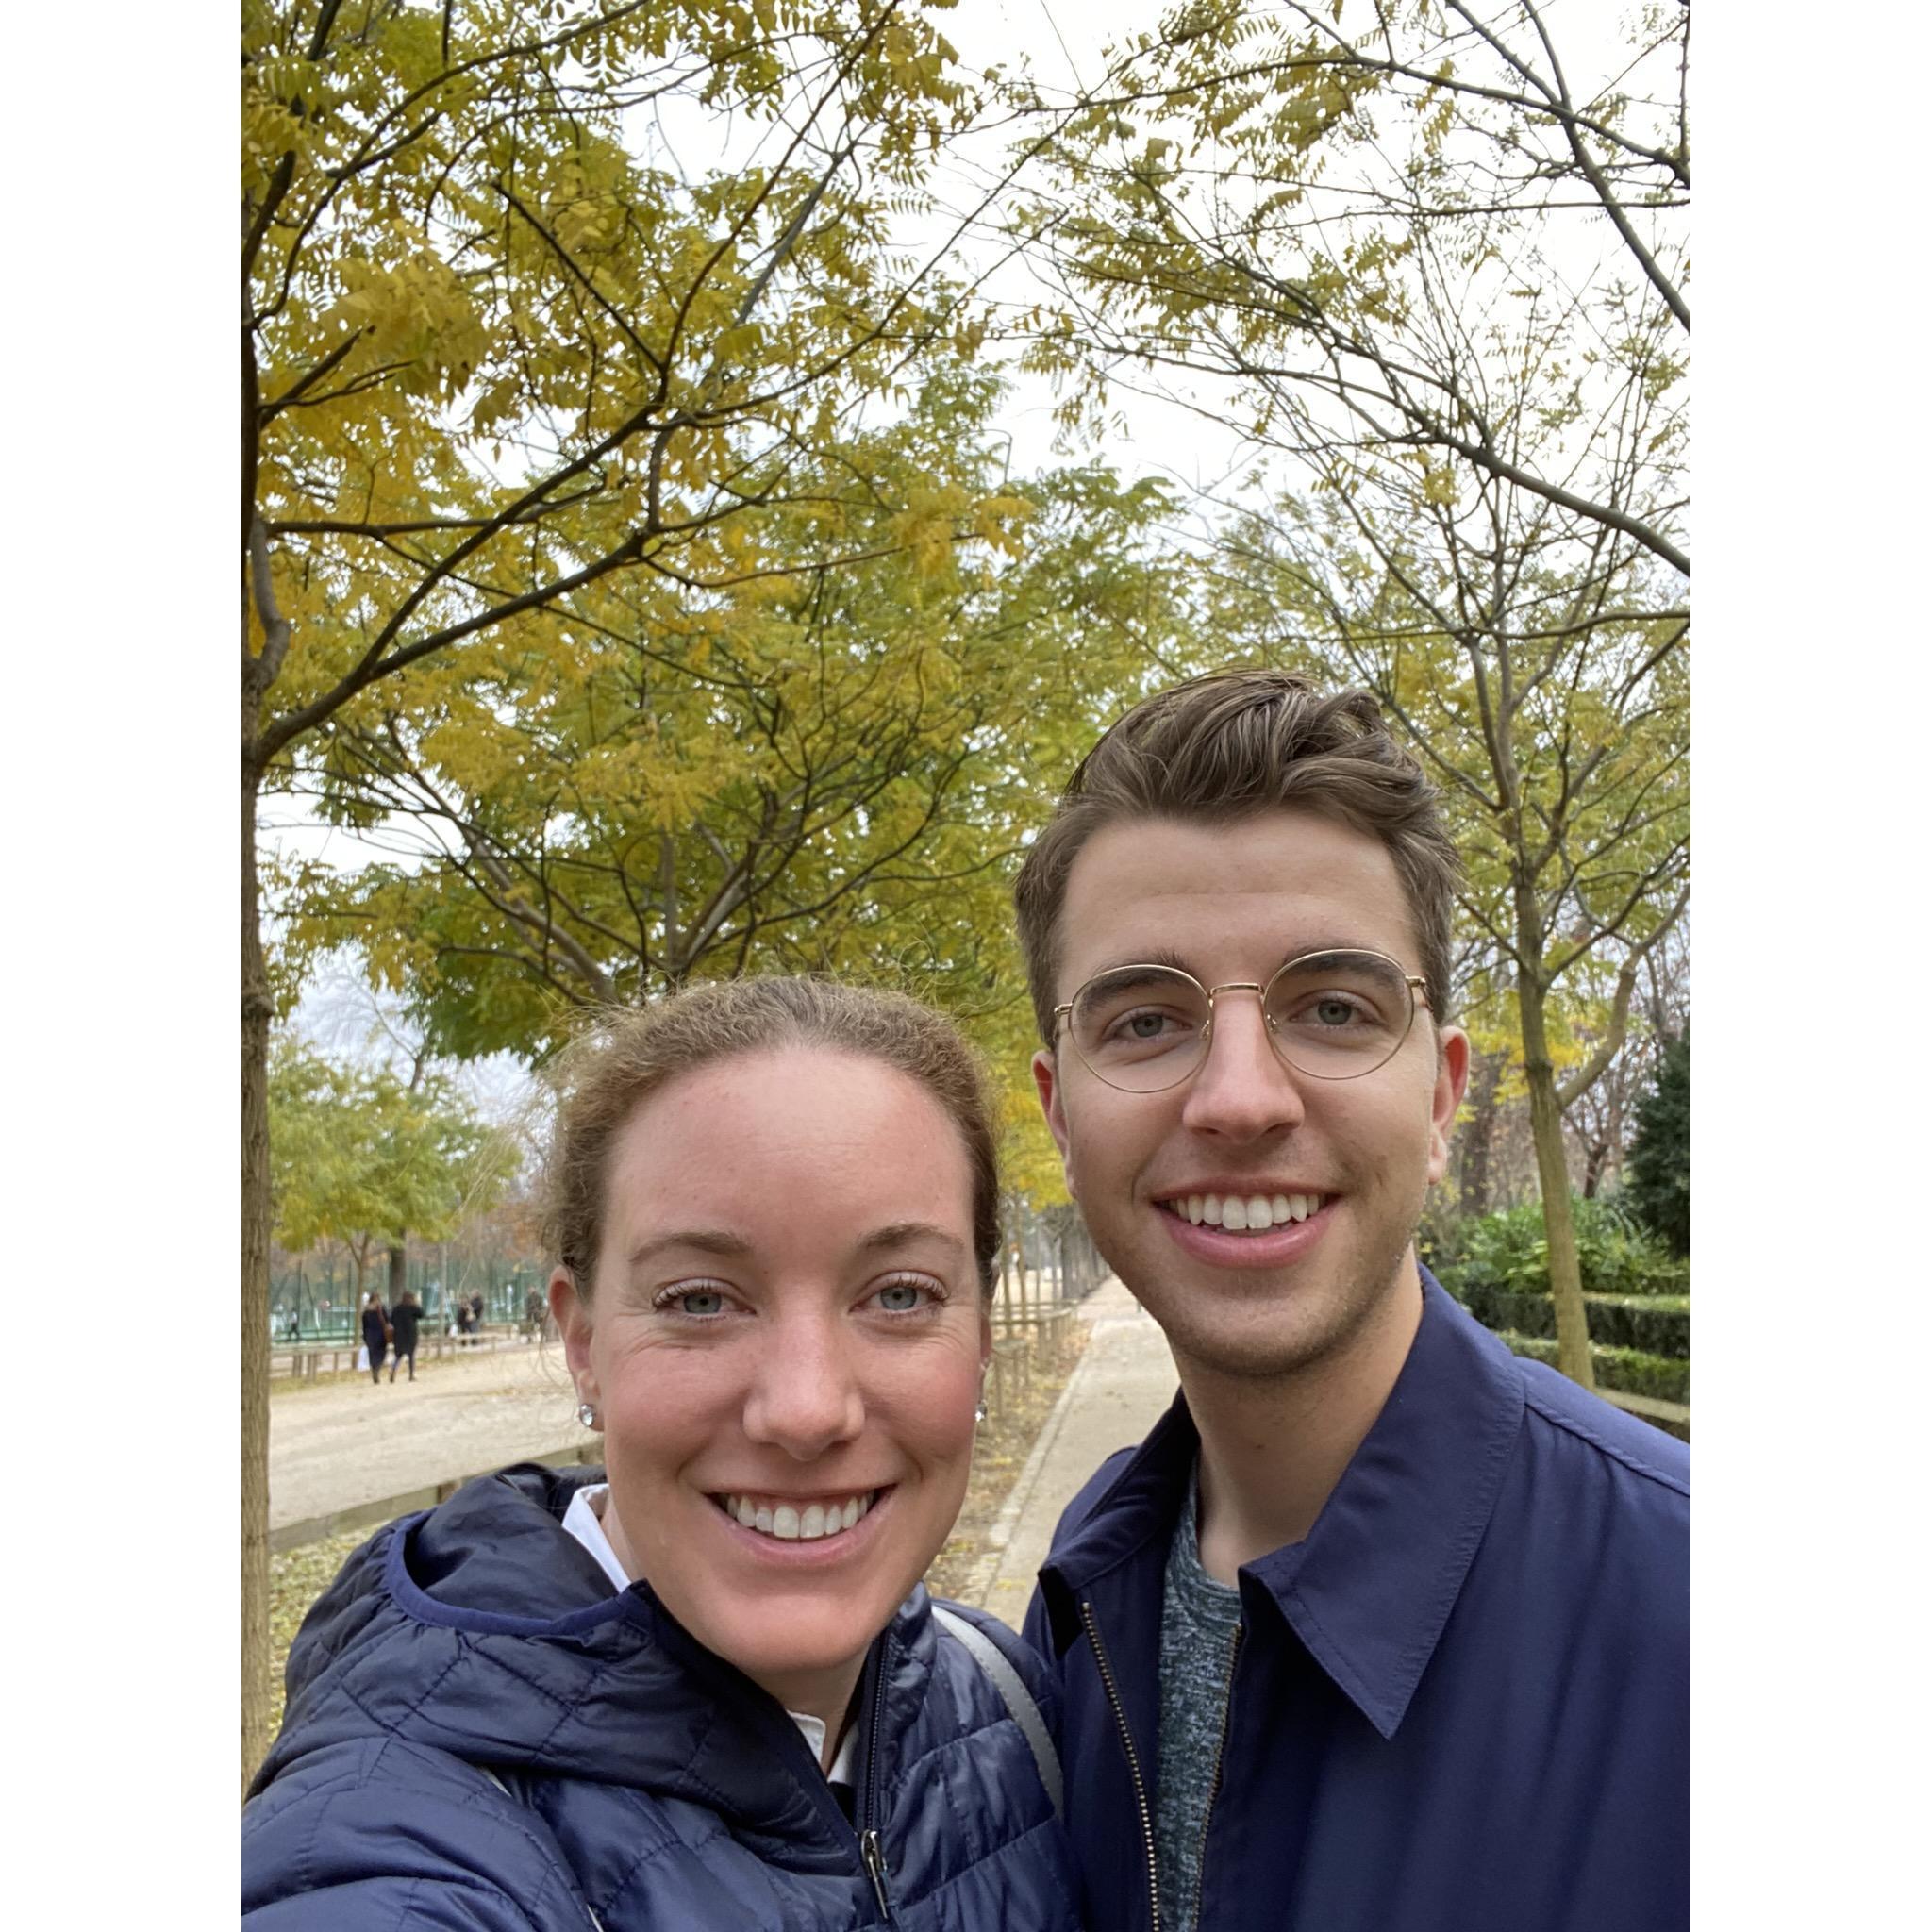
1122 1385
337 1447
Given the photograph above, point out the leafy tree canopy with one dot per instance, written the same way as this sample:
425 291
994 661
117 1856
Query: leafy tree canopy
361 1156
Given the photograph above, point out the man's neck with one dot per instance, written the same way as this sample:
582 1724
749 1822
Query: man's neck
1272 1449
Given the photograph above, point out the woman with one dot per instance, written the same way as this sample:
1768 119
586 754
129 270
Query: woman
405 1319
706 1690
376 1333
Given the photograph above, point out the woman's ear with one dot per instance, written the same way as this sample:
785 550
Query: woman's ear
571 1315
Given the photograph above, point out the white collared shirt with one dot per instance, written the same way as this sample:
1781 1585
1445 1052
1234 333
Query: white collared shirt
584 1520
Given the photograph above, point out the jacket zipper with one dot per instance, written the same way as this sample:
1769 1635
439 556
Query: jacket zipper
1234 1651
1133 1760
869 1846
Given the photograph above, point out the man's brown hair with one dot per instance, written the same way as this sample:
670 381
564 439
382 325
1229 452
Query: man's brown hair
1229 745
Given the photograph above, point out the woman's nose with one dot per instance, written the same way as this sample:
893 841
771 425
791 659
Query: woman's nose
804 1396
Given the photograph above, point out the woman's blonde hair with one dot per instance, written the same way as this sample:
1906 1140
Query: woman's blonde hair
624 1056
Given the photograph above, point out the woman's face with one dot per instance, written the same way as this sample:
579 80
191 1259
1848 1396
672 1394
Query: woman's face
784 1345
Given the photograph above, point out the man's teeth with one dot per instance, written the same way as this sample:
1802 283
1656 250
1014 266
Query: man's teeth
1246 1213
790 1523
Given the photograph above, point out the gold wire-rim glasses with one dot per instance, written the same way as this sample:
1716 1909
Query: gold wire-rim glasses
1414 983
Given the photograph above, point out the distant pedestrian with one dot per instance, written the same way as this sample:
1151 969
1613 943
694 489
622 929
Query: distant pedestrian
402 1320
376 1333
476 1313
534 1312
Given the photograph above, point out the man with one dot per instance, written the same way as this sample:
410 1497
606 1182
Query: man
1381 1627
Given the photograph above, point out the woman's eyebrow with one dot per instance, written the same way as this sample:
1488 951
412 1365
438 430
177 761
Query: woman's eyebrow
897 1233
709 1241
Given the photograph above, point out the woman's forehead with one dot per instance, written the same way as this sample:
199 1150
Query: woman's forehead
741 1148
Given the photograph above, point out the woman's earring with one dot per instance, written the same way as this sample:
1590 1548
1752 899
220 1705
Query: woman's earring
587 1415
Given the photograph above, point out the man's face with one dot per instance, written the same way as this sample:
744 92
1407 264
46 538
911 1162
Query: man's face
1231 902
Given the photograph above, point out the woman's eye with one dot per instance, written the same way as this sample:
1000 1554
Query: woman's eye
691 1301
903 1297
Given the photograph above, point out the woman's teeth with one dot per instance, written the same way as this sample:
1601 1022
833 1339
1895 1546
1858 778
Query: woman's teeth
1245 1213
791 1523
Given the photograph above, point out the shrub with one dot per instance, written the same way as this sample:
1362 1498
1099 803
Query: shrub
1628 1370
1508 1252
1660 1161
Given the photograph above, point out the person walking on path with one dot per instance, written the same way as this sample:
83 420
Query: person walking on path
1382 1628
376 1334
404 1320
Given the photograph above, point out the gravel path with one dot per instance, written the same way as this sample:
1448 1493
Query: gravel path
335 1446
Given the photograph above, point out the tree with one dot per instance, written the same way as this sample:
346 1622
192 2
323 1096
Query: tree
360 1155
1399 230
820 771
1659 1159
499 349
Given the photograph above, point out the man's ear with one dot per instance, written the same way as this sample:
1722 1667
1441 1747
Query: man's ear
1451 1078
572 1318
1046 1083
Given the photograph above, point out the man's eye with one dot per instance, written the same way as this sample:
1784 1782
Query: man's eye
1144 1022
1334 1011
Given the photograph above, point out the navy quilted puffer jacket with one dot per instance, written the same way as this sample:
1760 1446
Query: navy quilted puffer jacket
481 1736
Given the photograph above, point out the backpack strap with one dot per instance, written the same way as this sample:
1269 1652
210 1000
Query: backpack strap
1013 1694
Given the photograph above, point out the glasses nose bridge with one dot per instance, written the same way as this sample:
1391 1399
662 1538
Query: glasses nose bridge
1253 985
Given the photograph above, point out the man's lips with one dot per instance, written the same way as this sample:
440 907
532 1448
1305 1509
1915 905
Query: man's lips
1279 1243
1242 1206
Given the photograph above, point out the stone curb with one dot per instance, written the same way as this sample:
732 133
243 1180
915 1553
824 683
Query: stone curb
312 1530
979 1581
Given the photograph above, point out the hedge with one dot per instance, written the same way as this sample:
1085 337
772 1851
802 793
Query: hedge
1628 1370
1652 1324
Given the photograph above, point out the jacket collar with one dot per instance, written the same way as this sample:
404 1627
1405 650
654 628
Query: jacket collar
1370 1589
483 1629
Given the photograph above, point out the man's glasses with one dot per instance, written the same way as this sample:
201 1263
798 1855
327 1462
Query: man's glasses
1333 1016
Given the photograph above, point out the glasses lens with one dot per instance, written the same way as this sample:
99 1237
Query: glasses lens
1140 1027
1335 1015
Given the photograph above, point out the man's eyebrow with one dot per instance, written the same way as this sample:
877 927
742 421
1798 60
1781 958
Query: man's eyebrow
1166 955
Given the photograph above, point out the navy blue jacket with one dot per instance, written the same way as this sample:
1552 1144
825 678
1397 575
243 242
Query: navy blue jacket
1460 1705
481 1735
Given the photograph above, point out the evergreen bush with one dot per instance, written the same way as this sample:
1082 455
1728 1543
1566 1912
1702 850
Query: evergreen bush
1658 1165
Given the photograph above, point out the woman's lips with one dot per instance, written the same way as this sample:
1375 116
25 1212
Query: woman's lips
806 1551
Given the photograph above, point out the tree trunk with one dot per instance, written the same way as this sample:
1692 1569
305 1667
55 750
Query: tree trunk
1478 1136
398 1270
257 1010
1553 1175
1594 1165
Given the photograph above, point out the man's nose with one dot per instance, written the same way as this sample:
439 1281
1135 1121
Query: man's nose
1243 1089
804 1396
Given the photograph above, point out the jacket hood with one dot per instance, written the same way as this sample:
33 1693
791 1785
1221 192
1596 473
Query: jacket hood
483 1629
